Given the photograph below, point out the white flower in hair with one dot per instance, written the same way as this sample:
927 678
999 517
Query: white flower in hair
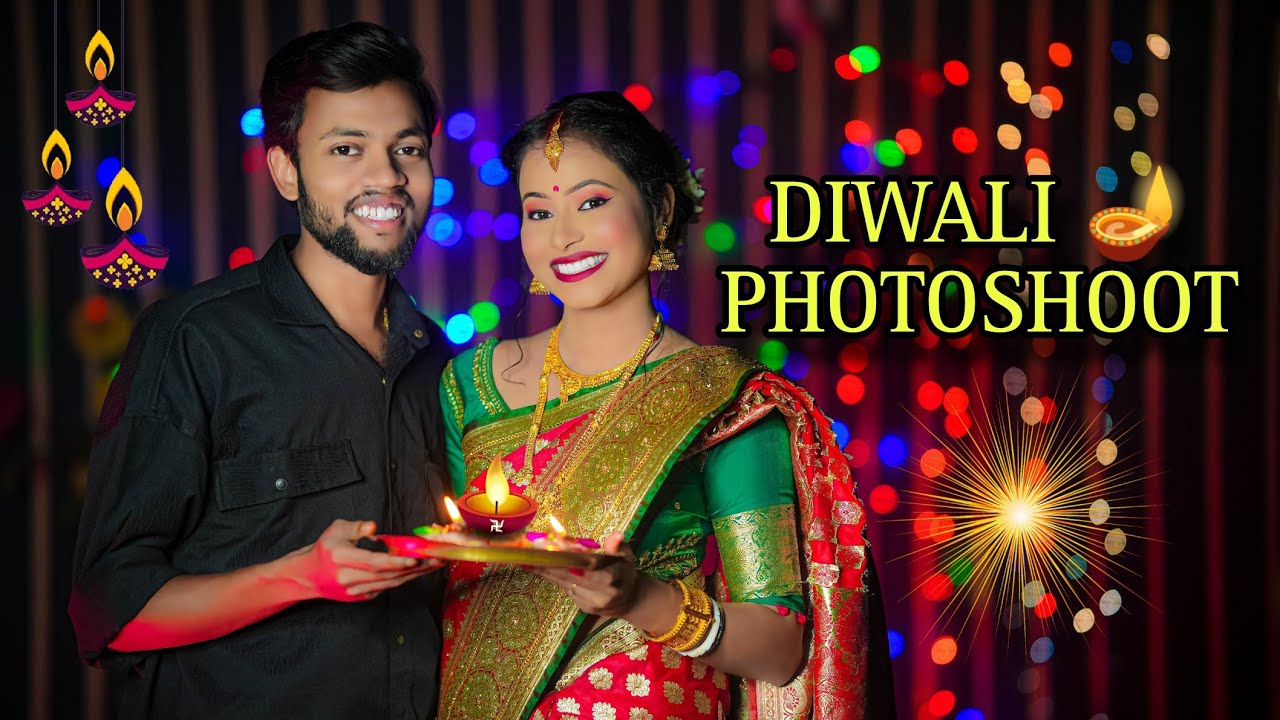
693 185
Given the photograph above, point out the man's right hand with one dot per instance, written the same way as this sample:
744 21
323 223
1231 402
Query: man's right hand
334 568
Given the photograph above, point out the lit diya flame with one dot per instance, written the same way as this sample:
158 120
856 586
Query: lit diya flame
556 526
124 200
1126 234
495 508
99 56
57 206
452 508
124 265
100 107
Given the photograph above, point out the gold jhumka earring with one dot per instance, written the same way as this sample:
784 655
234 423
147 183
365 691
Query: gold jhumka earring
663 259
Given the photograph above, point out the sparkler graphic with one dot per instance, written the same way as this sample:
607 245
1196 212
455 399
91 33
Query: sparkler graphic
1021 503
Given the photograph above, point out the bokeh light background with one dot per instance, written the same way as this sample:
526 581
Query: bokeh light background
1095 93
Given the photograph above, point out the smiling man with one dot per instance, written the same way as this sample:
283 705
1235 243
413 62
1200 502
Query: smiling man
265 422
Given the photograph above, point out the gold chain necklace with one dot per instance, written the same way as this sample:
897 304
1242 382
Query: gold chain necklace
571 381
553 354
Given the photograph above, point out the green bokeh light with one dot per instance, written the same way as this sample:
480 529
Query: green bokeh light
486 316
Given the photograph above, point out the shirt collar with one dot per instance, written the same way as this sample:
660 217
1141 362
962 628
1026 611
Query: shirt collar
293 303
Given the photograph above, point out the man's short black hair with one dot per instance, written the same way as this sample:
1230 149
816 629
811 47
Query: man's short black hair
345 59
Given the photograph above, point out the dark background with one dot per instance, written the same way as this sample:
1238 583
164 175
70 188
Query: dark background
1203 414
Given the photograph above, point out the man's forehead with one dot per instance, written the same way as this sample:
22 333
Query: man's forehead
385 109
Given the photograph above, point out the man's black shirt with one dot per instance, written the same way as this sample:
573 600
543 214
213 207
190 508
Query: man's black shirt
241 423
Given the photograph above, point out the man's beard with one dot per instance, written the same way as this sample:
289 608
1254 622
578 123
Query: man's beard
341 242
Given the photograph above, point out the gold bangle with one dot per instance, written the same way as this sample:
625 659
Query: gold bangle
700 616
692 624
680 619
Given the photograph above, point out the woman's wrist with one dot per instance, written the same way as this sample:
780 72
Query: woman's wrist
656 607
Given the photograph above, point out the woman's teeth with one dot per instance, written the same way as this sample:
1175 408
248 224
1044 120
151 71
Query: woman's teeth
578 266
379 213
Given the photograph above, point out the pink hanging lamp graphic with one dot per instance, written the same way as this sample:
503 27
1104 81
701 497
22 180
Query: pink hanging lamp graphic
124 265
100 107
57 206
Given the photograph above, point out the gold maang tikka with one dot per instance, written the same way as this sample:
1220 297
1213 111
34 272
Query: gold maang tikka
554 147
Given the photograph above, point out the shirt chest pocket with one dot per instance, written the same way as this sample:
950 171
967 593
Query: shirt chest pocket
290 473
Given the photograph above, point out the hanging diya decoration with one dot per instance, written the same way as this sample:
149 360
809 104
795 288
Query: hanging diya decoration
1126 234
124 265
57 206
100 107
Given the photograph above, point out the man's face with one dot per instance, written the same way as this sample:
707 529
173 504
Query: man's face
364 176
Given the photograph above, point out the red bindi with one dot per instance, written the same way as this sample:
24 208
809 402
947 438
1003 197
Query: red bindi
555 188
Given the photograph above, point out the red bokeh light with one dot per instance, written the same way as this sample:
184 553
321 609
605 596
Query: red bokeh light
639 95
929 395
956 72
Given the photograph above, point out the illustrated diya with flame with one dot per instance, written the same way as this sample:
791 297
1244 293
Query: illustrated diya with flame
100 107
124 265
57 206
1126 234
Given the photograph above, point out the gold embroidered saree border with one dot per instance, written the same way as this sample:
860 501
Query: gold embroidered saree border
453 393
651 425
482 377
747 540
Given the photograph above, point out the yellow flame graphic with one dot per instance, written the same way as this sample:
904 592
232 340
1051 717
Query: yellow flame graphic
56 146
125 213
1159 204
100 69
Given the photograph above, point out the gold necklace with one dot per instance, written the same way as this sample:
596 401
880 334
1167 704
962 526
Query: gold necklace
571 381
553 355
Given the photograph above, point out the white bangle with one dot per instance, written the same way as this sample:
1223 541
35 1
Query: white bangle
712 634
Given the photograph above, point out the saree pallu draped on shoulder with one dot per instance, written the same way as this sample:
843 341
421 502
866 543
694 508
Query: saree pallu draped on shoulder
847 675
507 630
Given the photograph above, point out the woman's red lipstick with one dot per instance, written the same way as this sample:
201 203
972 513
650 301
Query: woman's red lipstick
578 258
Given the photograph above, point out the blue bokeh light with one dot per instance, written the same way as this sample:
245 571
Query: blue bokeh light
896 644
482 151
442 193
729 82
461 125
251 122
1103 390
493 172
855 157
746 155
1122 51
444 229
506 226
796 367
753 134
479 223
842 432
705 89
460 328
892 450
107 170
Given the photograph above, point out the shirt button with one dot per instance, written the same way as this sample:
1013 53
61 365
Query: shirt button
400 640
417 334
281 483
394 467
384 381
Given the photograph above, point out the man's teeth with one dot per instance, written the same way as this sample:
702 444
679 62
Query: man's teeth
379 213
578 266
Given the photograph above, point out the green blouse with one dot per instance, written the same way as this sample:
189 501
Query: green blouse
742 490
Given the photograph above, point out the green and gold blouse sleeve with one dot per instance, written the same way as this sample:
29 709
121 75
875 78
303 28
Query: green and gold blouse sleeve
453 403
751 500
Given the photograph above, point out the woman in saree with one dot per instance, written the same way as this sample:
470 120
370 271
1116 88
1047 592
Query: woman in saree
735 578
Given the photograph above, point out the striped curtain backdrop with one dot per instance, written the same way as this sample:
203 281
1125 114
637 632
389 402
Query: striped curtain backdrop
1199 635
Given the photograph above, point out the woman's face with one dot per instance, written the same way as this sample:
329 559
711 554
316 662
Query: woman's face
586 231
